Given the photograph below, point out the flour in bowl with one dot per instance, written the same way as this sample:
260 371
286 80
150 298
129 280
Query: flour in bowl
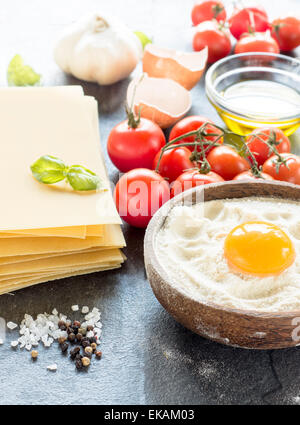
190 247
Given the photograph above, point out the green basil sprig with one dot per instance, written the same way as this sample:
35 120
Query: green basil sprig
49 169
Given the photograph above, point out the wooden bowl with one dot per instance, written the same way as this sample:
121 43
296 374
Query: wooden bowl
234 327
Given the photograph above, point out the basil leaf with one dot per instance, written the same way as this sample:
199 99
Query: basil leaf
19 74
144 39
80 178
49 169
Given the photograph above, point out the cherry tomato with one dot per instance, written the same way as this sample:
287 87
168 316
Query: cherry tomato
288 173
215 37
191 179
248 19
173 163
248 175
207 10
257 42
193 123
260 150
139 194
226 162
286 32
130 148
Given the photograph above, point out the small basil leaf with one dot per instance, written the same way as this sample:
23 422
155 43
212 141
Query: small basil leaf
19 74
80 178
144 39
49 169
236 142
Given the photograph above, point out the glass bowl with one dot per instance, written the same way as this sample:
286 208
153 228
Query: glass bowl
256 90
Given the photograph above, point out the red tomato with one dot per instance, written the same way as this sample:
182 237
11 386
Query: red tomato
286 32
193 123
173 163
257 42
139 194
288 173
260 150
207 10
248 175
216 38
130 148
191 179
249 18
226 162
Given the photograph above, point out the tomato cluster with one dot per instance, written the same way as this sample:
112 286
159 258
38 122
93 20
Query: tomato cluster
250 26
196 153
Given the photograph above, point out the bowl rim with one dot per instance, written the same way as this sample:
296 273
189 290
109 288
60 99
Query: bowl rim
214 95
158 221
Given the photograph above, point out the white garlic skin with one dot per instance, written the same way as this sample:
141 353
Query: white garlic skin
98 48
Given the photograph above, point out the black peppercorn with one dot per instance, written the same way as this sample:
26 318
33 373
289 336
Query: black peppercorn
79 337
75 329
74 352
79 364
71 337
70 330
61 323
85 342
92 340
64 346
89 328
77 324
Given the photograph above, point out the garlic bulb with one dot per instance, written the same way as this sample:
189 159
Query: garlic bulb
98 49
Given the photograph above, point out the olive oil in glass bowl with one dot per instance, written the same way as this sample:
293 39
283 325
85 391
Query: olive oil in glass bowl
256 90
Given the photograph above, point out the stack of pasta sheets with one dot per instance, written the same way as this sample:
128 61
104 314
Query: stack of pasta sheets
49 232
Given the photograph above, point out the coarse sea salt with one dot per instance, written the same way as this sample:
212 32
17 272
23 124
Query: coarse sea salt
11 325
85 309
52 367
75 307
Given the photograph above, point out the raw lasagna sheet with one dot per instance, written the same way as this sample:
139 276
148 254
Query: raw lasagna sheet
24 258
14 287
65 232
28 246
80 232
64 261
49 122
59 232
29 276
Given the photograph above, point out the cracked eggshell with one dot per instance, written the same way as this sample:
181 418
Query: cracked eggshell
161 100
184 68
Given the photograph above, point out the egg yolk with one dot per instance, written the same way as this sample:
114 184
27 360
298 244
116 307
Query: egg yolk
259 249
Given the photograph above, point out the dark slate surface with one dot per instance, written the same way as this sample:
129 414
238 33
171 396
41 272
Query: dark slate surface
148 357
